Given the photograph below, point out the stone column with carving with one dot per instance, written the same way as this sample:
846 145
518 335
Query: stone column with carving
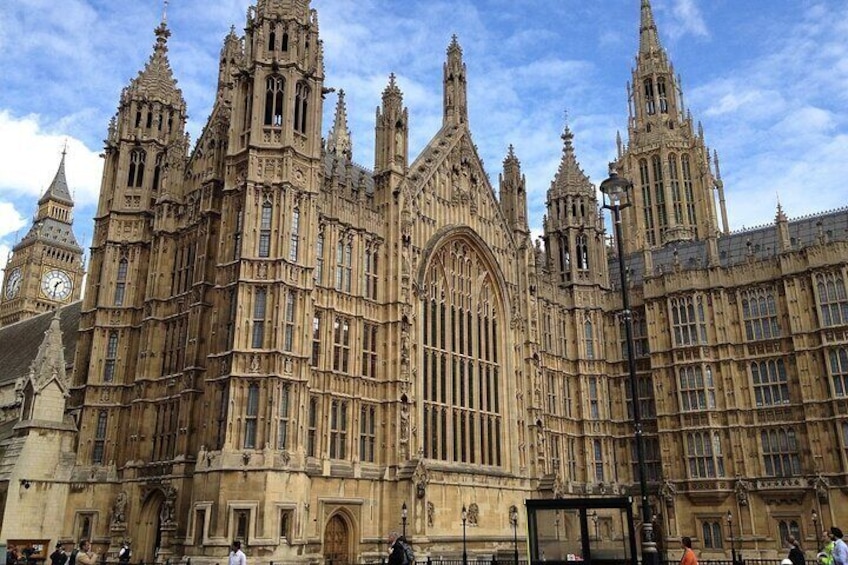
167 525
117 525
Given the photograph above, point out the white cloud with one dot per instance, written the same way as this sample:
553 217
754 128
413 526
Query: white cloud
11 220
688 18
31 157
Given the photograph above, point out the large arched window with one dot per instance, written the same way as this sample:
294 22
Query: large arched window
274 89
135 176
661 92
462 316
659 191
650 103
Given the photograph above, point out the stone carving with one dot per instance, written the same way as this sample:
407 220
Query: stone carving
741 489
821 485
119 509
668 492
420 478
473 514
431 513
166 514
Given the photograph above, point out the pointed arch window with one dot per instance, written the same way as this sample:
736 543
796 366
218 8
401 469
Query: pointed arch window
288 329
688 320
598 460
688 190
338 429
135 175
301 107
157 171
272 38
647 201
265 230
770 382
312 427
284 43
832 298
676 196
341 344
589 339
461 371
99 449
284 417
251 416
260 297
759 312
780 452
583 252
650 102
564 259
274 89
659 192
712 535
663 95
111 357
704 454
318 274
121 283
295 235
237 234
839 371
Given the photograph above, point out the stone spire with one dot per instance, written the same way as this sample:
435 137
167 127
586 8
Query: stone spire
513 193
649 40
392 131
570 178
58 189
339 141
49 362
455 86
156 81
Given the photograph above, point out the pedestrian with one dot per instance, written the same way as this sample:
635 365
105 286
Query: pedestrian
796 555
237 556
689 557
11 555
59 556
400 552
840 549
84 556
125 553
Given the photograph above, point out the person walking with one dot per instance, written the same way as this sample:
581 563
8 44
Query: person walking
400 552
125 554
58 557
796 555
689 557
840 549
237 556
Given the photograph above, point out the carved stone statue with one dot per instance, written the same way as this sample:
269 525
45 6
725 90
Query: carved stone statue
119 509
741 489
166 514
473 514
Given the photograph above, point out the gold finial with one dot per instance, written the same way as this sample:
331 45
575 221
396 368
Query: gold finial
165 11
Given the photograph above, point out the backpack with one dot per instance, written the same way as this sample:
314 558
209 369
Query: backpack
408 554
72 558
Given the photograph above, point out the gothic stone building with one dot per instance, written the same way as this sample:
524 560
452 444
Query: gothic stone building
278 345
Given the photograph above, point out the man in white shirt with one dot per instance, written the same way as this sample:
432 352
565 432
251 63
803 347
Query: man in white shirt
237 556
840 549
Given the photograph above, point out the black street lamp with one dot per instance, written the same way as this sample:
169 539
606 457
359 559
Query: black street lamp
513 519
403 514
815 518
464 552
616 197
732 539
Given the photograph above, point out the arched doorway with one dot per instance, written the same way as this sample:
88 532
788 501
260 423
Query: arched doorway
149 534
337 542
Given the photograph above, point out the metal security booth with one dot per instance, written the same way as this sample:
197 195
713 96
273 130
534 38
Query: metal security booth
596 530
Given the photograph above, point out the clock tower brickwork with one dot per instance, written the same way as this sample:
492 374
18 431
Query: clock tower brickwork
46 267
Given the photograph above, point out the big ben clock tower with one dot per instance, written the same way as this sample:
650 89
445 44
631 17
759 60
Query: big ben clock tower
46 267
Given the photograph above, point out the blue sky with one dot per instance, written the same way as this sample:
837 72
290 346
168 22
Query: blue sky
768 79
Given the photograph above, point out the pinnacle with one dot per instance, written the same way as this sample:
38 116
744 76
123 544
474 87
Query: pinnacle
157 80
58 189
649 40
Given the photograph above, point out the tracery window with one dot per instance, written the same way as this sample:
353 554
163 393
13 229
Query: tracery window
369 283
369 350
274 90
712 535
318 275
594 402
659 192
264 249
135 176
759 311
367 432
111 357
648 209
288 327
780 452
98 452
461 373
663 95
650 103
295 235
833 301
688 320
312 427
676 195
341 344
301 107
237 234
770 383
653 460
121 284
338 429
589 339
344 266
838 358
697 389
157 170
598 460
260 298
704 453
316 339
251 415
582 253
284 417
687 188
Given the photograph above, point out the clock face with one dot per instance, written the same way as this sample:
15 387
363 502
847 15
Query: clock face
56 285
13 283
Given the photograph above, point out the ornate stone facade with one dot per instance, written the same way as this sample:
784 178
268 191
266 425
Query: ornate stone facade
280 346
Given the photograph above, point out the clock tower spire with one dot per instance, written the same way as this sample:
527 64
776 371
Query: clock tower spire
46 266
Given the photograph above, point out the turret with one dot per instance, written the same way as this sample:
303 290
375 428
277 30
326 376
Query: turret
455 86
574 230
339 141
391 153
513 193
232 58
